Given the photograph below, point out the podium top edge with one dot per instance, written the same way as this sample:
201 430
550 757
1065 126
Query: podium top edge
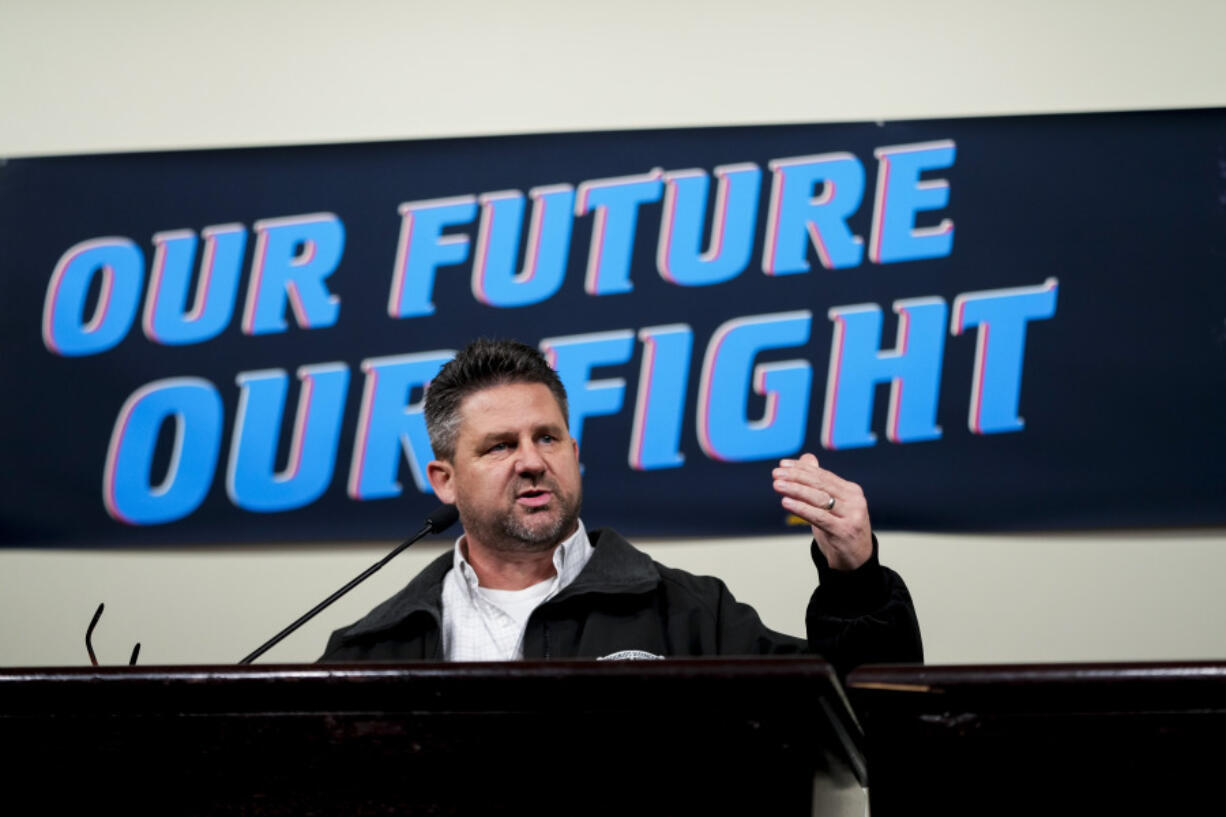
947 678
727 667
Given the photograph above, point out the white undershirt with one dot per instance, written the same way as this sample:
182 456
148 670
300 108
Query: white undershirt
484 624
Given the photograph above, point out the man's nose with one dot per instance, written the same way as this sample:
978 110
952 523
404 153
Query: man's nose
530 460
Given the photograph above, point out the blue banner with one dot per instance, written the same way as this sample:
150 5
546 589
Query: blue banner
1012 323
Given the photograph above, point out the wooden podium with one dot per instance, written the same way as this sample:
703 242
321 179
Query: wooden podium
1043 739
677 737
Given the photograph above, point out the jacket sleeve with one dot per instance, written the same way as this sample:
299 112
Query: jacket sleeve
862 616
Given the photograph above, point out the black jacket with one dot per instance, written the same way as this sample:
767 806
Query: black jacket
624 601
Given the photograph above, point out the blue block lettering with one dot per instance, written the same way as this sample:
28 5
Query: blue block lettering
901 194
423 248
1000 347
495 281
796 217
293 258
724 430
252 480
655 439
616 202
66 329
680 257
128 489
857 365
167 318
390 428
574 356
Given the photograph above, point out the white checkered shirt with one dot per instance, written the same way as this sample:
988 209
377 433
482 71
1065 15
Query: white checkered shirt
477 629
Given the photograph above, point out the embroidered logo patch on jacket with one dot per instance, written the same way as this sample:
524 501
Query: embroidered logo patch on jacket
631 655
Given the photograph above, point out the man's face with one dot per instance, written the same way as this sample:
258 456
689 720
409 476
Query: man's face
515 473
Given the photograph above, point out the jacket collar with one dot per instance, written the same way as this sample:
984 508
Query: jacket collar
616 566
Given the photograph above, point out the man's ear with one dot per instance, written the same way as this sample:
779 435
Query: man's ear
439 472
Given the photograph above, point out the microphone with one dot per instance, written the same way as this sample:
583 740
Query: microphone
442 518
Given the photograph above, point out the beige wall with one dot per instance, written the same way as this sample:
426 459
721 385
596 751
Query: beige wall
124 75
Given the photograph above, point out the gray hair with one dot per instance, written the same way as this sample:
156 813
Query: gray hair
480 365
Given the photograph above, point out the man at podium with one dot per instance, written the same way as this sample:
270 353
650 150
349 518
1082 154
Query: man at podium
528 580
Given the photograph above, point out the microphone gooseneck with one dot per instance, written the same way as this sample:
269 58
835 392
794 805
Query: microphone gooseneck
438 521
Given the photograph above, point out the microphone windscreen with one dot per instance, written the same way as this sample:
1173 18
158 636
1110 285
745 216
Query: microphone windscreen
442 518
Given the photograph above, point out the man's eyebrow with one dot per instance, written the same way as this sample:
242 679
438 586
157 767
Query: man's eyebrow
495 436
499 435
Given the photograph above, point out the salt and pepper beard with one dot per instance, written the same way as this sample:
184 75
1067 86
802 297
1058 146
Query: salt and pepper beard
509 533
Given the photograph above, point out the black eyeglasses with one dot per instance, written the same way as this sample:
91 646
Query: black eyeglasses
89 632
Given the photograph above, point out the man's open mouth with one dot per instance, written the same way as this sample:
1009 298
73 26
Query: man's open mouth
534 497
